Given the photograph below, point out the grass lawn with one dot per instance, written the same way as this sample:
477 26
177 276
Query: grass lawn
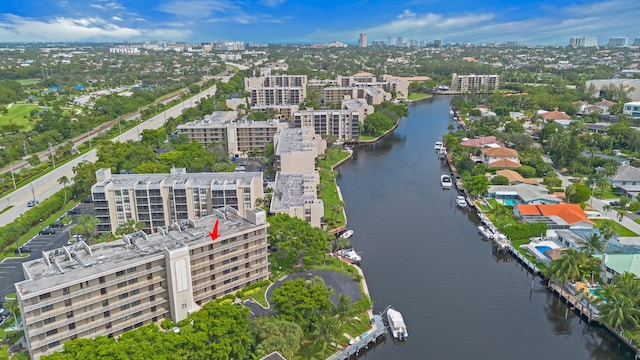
17 114
619 229
27 82
418 96
329 189
605 194
493 202
367 137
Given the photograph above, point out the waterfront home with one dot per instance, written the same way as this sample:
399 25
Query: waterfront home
574 238
553 115
522 194
515 178
481 142
617 264
627 179
500 158
556 216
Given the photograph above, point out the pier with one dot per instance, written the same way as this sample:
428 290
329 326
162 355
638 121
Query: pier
363 342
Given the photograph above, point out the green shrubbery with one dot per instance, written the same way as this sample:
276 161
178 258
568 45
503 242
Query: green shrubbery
524 231
252 289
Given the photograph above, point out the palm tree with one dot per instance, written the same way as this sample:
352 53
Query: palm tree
607 229
569 266
619 311
344 311
592 244
326 329
607 208
64 181
501 213
11 305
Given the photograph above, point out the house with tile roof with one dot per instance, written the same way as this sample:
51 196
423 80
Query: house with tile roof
553 115
604 106
556 216
485 141
627 179
501 157
522 194
617 264
515 178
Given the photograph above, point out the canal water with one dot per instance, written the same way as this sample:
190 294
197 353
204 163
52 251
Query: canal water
425 257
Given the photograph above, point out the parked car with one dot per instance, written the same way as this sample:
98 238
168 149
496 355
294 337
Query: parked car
87 200
615 203
22 249
57 224
73 211
32 203
47 231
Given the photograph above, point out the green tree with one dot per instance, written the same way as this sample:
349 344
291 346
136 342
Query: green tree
85 226
477 185
64 181
570 266
325 332
130 226
578 192
11 305
275 334
499 180
302 303
296 237
592 244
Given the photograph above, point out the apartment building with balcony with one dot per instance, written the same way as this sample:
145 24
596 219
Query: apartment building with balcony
475 82
109 288
276 89
160 199
239 137
343 124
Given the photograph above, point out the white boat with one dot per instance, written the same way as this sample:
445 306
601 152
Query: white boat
396 324
445 181
461 201
439 145
349 254
485 232
347 234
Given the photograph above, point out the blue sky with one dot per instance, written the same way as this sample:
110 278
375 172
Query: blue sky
314 21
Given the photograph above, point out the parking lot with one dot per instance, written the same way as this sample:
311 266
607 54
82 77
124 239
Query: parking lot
11 268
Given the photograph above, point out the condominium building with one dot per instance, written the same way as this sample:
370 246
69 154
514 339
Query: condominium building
296 196
239 137
296 150
276 89
280 111
636 41
160 199
475 82
343 124
617 41
109 288
362 40
336 94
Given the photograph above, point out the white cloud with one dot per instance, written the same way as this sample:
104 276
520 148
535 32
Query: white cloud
98 6
272 3
13 28
115 18
216 11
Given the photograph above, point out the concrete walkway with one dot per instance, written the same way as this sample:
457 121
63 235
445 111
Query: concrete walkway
599 204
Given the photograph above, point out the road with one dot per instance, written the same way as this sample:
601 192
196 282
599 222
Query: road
44 187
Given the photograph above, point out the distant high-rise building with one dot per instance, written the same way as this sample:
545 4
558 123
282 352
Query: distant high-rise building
362 41
636 41
584 41
512 43
391 41
618 41
437 43
400 42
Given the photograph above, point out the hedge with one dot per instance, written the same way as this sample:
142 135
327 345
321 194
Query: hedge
524 231
244 291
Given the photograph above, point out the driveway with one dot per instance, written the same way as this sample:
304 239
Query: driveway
342 284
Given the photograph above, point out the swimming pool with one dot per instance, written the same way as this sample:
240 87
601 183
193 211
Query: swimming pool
542 249
511 202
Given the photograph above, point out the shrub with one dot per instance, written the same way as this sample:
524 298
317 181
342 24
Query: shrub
526 171
524 231
247 290
499 180
578 192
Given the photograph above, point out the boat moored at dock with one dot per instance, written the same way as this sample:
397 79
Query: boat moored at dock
396 324
347 234
445 181
485 232
349 254
461 201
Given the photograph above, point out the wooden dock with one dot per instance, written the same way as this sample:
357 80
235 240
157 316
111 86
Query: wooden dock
369 339
576 302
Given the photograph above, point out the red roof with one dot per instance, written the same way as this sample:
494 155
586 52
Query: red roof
480 142
571 213
500 152
505 163
555 115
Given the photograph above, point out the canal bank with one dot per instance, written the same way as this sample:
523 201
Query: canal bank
424 255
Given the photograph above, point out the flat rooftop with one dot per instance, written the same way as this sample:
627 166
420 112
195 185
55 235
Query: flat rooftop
217 179
203 124
297 139
293 190
70 264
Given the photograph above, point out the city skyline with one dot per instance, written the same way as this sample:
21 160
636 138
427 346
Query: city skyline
286 21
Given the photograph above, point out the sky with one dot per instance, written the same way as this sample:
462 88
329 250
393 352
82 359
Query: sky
317 21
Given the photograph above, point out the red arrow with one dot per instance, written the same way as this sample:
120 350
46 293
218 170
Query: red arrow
214 233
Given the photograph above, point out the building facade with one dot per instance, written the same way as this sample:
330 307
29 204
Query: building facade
276 89
296 196
296 150
362 40
161 199
632 109
239 137
343 124
110 288
474 82
617 41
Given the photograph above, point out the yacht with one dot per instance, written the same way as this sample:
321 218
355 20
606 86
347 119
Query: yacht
485 232
347 234
461 201
349 254
396 324
445 181
439 145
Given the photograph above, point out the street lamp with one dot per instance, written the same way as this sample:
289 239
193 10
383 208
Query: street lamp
33 192
53 158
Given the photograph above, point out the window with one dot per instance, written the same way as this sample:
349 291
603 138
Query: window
47 308
54 344
67 302
52 332
105 303
103 291
65 291
120 273
101 279
72 326
69 314
107 314
122 284
44 296
130 270
49 320
133 281
134 292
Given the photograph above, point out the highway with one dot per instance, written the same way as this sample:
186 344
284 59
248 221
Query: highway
44 187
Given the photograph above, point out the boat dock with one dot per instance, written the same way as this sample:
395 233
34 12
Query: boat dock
372 337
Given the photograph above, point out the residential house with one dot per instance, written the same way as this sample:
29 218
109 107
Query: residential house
617 264
485 141
515 177
556 216
500 158
522 194
627 179
604 106
553 115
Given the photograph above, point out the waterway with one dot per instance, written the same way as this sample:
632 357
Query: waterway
425 257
